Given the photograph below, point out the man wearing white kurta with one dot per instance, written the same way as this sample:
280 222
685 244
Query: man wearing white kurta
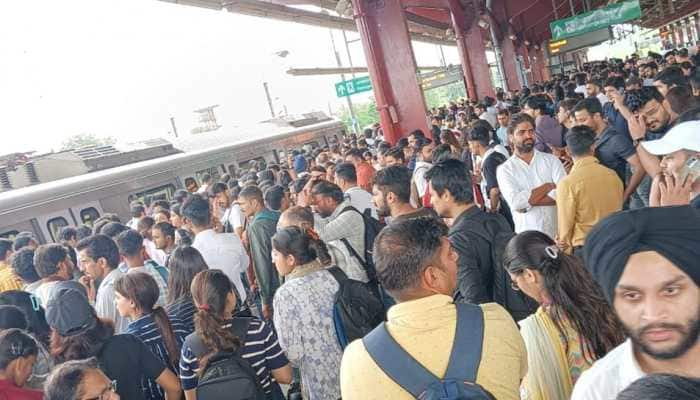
528 178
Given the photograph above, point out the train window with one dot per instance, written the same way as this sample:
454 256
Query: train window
246 165
213 171
89 215
9 235
164 192
54 226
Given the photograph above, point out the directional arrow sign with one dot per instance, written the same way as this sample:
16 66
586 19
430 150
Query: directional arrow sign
594 20
353 86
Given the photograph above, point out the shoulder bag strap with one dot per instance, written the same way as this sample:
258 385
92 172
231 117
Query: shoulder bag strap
467 345
400 366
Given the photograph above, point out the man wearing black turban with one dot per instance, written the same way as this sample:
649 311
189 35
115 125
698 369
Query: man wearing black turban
647 262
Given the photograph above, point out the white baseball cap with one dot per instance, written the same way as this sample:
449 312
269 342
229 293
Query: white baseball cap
684 136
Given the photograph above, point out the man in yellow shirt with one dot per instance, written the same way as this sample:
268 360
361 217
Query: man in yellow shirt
8 279
588 194
418 267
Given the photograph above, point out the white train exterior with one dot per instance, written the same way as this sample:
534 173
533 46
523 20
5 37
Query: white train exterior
44 208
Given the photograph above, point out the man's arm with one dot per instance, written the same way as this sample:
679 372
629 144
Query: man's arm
636 178
566 212
469 280
517 198
262 263
540 196
638 129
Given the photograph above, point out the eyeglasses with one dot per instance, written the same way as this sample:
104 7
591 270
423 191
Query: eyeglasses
106 394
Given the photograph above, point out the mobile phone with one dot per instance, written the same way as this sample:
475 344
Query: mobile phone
690 170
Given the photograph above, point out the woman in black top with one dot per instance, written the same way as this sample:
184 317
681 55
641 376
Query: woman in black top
77 333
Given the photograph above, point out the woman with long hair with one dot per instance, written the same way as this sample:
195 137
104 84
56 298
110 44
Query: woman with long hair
215 330
574 325
77 333
185 262
136 295
304 311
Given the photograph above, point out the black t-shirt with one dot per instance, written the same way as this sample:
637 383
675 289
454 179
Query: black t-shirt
613 149
488 170
126 359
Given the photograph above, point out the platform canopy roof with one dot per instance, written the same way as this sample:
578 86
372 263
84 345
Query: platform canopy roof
429 20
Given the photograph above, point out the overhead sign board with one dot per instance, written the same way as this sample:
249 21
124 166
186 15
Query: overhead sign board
352 86
595 20
578 42
441 77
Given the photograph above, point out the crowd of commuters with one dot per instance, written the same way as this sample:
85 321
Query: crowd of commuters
542 244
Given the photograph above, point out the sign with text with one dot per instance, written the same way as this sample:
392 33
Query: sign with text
352 86
441 77
595 20
578 42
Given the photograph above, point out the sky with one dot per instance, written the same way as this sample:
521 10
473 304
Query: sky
122 68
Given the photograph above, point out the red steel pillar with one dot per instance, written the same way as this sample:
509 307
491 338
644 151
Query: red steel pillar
509 64
472 51
392 67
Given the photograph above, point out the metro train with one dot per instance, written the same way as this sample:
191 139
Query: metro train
45 208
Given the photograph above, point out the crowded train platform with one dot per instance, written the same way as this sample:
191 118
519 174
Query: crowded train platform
542 244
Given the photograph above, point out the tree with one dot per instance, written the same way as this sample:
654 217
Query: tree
443 95
85 140
365 113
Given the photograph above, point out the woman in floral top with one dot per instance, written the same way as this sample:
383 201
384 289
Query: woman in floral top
303 311
574 325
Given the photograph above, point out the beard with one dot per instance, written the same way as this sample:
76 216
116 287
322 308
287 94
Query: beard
689 338
526 146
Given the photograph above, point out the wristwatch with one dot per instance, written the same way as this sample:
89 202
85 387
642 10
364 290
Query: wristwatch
636 142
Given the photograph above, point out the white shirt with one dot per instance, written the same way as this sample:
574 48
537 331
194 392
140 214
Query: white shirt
224 251
155 254
419 177
609 376
491 118
602 98
234 216
516 179
361 200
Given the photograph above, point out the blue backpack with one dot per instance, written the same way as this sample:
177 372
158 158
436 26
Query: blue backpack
459 382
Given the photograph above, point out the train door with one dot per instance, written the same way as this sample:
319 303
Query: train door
87 213
51 224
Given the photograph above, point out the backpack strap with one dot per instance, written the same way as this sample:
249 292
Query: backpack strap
408 373
467 345
338 274
239 327
400 366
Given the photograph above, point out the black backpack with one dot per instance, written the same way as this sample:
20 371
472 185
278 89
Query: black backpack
356 309
513 301
372 229
228 376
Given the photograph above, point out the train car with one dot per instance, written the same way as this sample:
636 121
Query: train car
45 208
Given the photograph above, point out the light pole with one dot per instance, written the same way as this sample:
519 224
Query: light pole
266 86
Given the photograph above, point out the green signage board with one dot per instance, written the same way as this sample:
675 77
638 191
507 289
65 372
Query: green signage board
594 20
352 86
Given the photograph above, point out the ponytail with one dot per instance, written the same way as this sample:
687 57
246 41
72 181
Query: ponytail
142 289
318 246
210 289
166 331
